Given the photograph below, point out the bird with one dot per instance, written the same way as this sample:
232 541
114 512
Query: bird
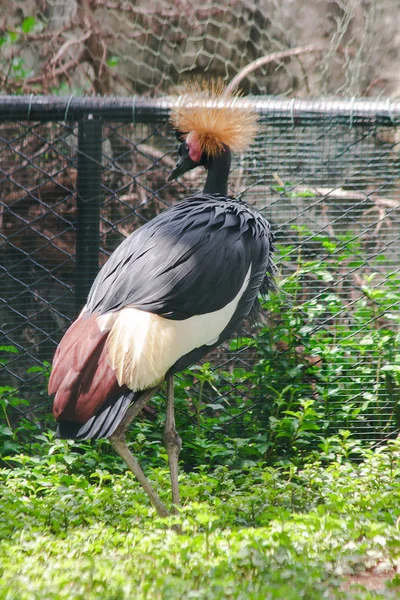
174 289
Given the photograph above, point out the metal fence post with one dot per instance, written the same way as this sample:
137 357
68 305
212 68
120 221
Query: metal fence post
88 204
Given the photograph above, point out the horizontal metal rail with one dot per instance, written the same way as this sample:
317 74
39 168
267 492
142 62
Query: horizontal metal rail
132 109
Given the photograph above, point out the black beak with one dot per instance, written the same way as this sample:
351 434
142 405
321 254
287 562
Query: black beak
184 164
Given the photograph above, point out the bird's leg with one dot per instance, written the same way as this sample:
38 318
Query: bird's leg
118 442
173 442
135 409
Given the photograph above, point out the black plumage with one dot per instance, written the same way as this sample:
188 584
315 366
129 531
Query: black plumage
102 424
190 260
202 263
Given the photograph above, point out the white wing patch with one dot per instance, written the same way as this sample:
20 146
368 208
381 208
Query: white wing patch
143 346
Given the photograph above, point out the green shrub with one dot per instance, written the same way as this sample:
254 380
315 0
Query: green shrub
325 363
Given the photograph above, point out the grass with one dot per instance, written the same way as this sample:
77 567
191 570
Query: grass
71 530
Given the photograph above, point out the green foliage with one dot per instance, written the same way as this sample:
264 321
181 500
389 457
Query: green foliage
113 61
324 364
290 190
76 525
258 532
28 24
17 431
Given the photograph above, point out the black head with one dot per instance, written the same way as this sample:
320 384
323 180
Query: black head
190 155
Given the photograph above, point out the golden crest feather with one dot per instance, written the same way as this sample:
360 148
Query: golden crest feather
219 118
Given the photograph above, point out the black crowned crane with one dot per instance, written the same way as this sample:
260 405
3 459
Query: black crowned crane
170 293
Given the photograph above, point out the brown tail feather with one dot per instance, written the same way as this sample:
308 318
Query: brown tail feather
78 343
82 378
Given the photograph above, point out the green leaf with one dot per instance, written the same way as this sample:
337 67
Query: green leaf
36 370
12 36
113 61
9 349
28 24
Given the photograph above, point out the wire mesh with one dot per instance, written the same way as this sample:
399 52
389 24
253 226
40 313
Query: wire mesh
326 174
147 46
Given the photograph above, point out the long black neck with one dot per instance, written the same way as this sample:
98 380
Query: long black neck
218 173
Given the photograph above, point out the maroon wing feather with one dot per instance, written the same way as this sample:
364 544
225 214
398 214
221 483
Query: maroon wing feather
82 378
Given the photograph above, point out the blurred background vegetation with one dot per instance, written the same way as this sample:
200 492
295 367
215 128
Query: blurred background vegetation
342 47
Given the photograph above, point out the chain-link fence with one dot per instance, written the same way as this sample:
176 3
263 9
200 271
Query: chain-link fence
147 46
79 174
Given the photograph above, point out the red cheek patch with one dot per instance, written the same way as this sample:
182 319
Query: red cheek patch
193 143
